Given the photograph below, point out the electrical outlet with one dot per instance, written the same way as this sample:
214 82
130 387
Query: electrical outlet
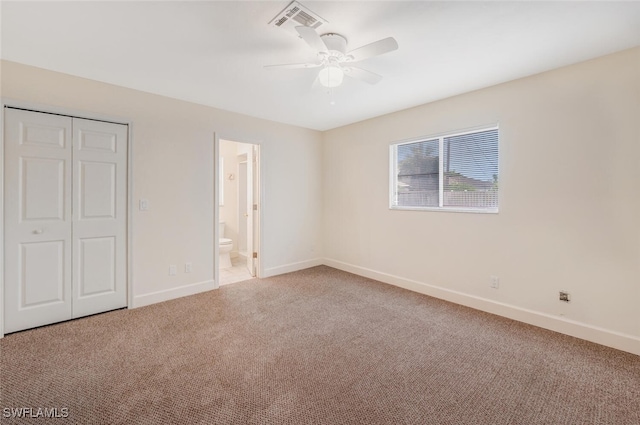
564 296
144 204
173 270
188 268
495 282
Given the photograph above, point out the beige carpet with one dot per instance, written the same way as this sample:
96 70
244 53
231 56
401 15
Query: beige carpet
318 346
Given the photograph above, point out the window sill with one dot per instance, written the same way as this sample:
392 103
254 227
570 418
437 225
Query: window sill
447 209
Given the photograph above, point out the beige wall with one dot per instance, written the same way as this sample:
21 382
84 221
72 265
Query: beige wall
569 202
569 207
173 168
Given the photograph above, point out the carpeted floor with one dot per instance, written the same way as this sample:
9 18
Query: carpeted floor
318 346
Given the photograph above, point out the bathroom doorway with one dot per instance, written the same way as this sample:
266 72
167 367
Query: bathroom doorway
238 211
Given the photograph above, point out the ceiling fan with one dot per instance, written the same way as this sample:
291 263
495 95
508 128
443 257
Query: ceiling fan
334 59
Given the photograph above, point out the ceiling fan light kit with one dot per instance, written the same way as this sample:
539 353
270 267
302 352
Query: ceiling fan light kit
330 76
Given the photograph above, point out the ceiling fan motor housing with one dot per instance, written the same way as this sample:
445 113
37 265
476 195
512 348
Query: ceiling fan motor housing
336 44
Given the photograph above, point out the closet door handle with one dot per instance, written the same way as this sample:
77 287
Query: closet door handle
38 231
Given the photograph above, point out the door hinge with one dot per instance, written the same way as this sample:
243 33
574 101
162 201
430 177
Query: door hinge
255 255
255 207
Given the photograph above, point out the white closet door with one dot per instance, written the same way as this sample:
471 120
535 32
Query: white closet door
99 228
38 219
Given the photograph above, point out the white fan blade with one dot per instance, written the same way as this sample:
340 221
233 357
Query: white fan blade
295 65
311 37
362 74
376 48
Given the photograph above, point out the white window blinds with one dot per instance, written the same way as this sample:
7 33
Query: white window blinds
470 174
455 171
418 182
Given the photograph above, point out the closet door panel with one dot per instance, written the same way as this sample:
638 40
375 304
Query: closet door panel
99 228
38 221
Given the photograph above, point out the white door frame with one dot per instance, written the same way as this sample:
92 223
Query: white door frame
257 242
57 110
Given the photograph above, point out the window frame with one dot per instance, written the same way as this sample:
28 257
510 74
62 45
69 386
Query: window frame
393 171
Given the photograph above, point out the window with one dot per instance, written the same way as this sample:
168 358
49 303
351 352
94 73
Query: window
457 171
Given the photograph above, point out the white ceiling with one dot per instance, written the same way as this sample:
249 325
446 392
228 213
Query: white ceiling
213 52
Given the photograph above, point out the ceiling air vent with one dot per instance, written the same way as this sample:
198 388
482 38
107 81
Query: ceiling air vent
295 15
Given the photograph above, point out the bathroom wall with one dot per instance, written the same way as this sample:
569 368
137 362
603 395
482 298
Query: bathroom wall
229 211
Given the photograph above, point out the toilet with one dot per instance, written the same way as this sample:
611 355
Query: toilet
225 247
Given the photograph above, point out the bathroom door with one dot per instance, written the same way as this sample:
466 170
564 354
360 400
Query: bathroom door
250 211
256 209
249 208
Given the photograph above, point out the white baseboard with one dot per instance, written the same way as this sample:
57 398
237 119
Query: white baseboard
562 325
293 267
172 293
